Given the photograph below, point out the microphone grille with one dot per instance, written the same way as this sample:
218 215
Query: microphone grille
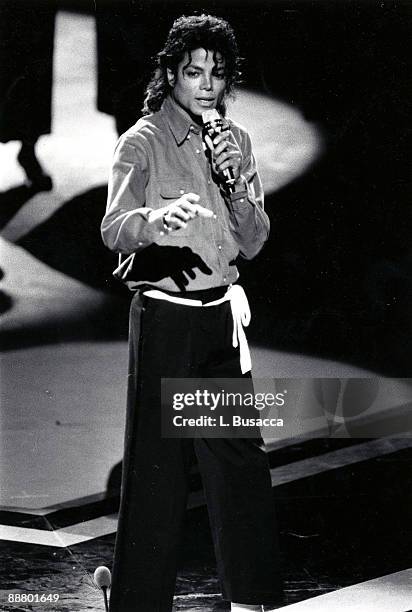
210 115
102 577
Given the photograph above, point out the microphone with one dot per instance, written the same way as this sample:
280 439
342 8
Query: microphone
103 579
214 125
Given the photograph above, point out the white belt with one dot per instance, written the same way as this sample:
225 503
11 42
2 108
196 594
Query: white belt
240 312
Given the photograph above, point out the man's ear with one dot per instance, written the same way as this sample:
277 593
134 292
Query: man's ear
170 77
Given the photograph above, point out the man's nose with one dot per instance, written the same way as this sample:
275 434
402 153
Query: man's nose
206 82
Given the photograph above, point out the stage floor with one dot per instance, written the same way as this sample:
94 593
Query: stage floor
343 534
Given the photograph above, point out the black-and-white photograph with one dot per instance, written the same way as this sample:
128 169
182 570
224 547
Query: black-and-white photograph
205 306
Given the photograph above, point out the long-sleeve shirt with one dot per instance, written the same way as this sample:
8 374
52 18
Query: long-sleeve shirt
156 161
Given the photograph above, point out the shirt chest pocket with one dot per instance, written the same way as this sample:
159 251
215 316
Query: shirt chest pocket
173 188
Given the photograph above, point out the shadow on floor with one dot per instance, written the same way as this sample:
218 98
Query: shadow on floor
69 241
12 200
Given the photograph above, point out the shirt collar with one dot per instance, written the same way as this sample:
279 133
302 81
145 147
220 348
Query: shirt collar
179 121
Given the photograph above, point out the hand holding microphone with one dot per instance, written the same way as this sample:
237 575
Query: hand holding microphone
226 157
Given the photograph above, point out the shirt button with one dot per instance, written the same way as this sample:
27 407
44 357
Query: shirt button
219 246
214 216
162 233
224 279
140 244
188 137
191 128
208 181
198 151
182 191
242 200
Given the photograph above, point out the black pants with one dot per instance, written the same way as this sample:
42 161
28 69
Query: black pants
170 340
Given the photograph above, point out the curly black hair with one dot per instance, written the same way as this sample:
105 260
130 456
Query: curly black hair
189 33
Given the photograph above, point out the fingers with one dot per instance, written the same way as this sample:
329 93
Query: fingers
209 142
204 212
185 209
175 217
219 138
190 197
180 213
228 159
226 154
223 145
219 154
194 210
173 221
222 137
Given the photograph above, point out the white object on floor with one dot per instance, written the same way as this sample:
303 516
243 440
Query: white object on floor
391 593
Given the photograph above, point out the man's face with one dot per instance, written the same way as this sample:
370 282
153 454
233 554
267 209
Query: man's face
199 83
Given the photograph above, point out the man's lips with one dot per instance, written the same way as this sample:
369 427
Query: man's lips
205 101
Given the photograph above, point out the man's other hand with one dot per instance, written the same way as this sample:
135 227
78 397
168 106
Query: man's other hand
179 213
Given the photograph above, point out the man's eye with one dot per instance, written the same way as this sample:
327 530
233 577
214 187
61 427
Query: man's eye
219 75
192 73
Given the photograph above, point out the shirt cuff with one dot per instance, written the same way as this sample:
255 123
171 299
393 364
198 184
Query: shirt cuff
157 225
239 197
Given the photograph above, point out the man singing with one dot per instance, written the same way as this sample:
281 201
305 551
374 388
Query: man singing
181 208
